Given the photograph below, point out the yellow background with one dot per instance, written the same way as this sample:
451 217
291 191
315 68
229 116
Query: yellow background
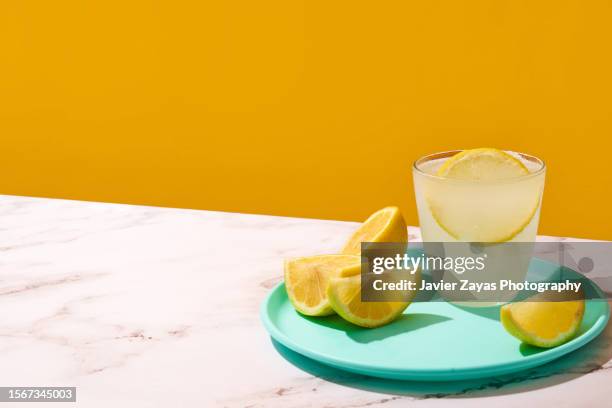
302 108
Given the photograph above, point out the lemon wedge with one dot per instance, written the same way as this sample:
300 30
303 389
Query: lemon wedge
385 225
474 209
306 281
543 324
344 294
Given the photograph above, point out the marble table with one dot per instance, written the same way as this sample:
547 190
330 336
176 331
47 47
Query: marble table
156 307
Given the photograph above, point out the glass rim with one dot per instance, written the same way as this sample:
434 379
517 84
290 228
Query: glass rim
450 153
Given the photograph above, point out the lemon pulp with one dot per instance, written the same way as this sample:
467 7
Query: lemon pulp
306 281
543 324
344 294
385 225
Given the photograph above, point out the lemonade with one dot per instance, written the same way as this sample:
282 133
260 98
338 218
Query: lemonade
491 196
483 196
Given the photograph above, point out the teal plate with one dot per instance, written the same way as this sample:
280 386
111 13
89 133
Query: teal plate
431 341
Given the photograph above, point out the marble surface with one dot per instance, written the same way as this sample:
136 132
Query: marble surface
153 307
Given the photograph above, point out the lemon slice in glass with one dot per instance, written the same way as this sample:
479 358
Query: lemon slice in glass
482 164
482 197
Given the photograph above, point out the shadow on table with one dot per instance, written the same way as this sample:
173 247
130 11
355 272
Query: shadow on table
583 361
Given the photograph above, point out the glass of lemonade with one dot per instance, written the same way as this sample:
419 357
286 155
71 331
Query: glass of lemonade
484 203
484 210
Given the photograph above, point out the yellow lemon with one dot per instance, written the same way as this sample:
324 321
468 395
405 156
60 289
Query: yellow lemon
306 281
344 294
543 324
385 225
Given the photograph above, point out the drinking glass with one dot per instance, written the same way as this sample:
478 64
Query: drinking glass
492 213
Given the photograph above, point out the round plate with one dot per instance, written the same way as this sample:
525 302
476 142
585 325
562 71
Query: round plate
431 341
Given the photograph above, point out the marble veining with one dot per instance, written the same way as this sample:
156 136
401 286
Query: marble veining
157 307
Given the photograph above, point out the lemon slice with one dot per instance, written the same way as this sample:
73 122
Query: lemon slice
385 225
344 294
306 281
483 212
543 324
482 164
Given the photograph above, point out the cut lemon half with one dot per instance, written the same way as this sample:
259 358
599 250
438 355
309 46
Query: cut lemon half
483 212
385 225
543 324
344 294
306 281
